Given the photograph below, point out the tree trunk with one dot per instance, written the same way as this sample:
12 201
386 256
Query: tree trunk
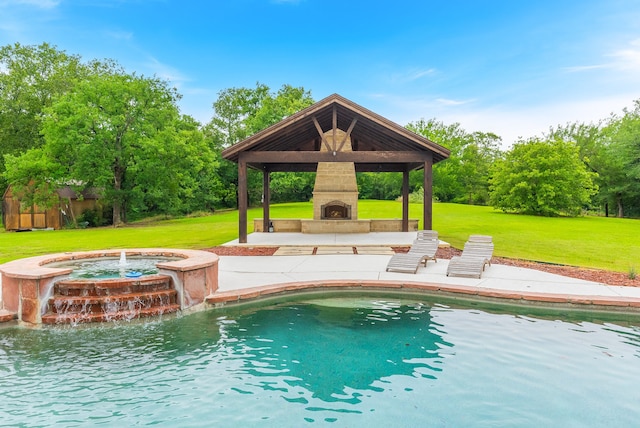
118 176
117 220
73 216
620 210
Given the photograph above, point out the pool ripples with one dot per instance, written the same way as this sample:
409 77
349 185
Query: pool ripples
373 363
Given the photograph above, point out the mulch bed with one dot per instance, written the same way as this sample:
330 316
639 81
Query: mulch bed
596 275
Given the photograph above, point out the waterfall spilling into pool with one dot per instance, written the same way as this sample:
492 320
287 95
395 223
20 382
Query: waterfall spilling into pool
98 289
86 300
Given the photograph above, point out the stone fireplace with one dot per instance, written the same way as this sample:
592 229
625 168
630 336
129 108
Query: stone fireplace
335 194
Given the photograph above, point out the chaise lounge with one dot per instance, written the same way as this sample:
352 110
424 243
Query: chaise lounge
423 249
477 253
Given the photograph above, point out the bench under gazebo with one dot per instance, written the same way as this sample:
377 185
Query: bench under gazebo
335 138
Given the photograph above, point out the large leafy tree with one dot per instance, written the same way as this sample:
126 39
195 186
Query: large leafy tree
464 177
541 177
233 110
31 78
123 134
622 157
611 149
240 113
595 151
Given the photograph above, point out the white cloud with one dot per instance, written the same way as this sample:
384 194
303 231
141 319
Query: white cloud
509 121
580 68
627 59
515 122
412 75
448 102
119 34
166 72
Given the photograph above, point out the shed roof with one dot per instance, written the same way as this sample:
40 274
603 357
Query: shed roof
376 141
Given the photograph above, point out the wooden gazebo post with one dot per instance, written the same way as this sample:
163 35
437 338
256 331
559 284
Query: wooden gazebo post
405 200
427 216
242 200
266 198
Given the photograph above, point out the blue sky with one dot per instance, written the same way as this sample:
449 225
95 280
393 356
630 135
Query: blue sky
510 67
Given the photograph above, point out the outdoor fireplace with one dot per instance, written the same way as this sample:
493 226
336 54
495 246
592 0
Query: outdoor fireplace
336 210
335 194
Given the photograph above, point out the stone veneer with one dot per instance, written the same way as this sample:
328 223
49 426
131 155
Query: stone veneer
335 181
293 225
27 283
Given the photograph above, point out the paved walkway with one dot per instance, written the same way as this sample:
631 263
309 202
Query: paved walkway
238 273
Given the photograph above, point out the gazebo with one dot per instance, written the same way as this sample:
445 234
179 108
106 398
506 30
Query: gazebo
335 138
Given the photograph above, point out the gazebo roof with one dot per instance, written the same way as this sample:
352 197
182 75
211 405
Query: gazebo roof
378 143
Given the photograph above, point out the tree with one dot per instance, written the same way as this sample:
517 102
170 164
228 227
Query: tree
478 156
611 149
31 77
233 109
622 159
464 177
275 107
292 187
379 185
174 172
541 177
32 177
123 134
242 112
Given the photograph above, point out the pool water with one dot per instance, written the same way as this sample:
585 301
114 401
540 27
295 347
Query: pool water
111 267
341 361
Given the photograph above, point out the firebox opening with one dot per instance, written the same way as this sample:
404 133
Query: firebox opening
336 210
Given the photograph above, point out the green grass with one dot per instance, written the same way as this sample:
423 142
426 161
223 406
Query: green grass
597 242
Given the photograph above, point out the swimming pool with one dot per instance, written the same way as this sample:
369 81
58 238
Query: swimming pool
348 361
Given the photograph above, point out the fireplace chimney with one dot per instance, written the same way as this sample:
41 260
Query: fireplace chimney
335 194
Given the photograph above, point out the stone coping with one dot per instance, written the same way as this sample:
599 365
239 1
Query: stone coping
589 302
36 267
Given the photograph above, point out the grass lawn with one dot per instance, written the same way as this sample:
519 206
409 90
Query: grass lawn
598 242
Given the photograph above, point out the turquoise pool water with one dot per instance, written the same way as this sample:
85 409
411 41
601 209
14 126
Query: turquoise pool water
111 267
332 362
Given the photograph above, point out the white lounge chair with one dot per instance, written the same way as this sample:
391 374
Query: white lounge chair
427 234
477 253
421 251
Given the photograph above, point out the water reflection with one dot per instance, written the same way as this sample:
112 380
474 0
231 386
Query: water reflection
356 363
329 349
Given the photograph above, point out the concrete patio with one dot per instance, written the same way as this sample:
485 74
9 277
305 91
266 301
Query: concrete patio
238 273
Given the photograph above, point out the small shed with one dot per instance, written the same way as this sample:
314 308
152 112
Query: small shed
69 207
